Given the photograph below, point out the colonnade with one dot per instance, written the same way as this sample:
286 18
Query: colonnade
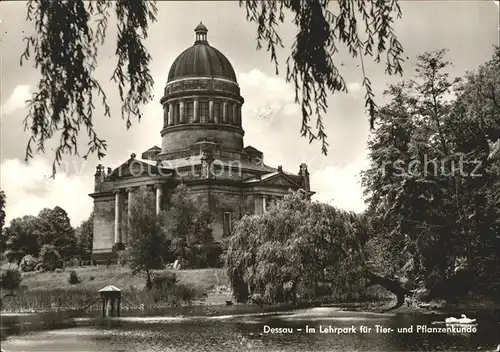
185 111
120 236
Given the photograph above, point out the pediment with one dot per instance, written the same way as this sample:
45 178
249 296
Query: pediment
138 168
281 180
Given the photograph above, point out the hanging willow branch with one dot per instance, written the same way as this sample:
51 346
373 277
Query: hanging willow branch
65 49
311 66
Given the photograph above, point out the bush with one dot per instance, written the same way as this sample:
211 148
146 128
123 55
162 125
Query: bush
28 263
50 258
13 256
164 281
10 278
73 278
204 256
256 298
122 257
167 289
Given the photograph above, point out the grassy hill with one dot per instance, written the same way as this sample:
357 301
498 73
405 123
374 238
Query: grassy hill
95 277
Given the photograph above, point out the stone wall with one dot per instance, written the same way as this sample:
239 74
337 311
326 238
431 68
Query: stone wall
182 137
104 231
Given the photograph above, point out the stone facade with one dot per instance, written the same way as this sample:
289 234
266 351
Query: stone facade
202 147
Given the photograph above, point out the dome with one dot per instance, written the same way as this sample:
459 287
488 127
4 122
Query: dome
201 60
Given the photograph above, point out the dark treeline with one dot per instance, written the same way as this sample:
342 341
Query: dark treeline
48 235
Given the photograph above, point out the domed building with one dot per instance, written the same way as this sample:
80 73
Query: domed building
202 146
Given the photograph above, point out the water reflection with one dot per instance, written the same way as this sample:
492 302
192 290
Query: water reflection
235 332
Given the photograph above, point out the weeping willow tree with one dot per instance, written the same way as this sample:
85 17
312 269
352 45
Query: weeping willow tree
300 250
69 34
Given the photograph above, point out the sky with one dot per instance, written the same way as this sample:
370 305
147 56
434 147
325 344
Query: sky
271 119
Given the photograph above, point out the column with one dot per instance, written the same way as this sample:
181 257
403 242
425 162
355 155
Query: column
181 112
217 118
159 189
130 193
211 111
118 217
224 112
196 114
165 115
170 115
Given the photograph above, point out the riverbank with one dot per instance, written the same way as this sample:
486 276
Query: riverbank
465 304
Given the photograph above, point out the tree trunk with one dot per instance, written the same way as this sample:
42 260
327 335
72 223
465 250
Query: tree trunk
391 285
149 283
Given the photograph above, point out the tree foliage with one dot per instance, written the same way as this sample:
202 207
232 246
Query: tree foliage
2 210
432 185
23 238
85 235
56 229
188 225
289 252
28 263
50 258
147 241
10 279
65 51
27 235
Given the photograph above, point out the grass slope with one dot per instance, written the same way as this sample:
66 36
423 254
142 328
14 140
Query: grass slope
41 291
201 280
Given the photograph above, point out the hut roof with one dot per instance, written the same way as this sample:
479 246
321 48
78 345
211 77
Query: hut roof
110 288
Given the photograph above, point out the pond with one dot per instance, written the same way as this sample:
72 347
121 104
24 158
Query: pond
336 329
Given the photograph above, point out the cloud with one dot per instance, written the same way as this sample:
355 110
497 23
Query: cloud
341 186
265 96
354 87
332 178
29 189
17 100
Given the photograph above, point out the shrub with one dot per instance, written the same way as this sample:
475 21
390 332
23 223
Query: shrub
13 256
183 292
122 257
73 278
28 263
167 289
50 258
204 256
256 298
10 278
164 280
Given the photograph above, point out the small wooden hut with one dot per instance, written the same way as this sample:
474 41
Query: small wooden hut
111 300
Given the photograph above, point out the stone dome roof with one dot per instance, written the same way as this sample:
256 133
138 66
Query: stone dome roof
201 60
